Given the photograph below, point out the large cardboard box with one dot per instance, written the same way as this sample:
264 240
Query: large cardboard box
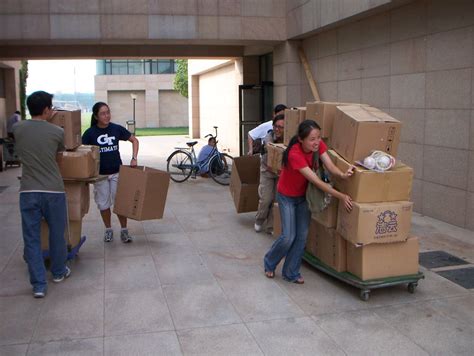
70 121
72 234
276 221
328 246
244 182
323 112
84 162
369 223
274 156
366 186
328 217
293 117
77 196
383 260
358 130
141 193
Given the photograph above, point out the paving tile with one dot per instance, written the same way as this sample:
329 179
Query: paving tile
172 243
71 316
223 340
136 311
459 308
86 347
232 265
199 304
130 273
15 282
117 249
18 317
365 333
13 350
433 331
259 298
293 336
164 343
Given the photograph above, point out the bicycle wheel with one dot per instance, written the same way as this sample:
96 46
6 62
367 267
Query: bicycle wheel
220 168
180 166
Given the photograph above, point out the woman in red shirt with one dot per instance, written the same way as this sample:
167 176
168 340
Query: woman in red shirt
291 197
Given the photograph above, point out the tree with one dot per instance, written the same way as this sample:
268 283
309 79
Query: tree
181 78
23 78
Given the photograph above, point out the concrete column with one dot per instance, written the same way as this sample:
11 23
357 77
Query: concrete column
194 115
287 74
152 108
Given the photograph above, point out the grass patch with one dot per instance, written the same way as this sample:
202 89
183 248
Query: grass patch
162 131
149 131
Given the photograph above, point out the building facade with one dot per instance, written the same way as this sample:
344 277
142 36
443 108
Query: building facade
141 90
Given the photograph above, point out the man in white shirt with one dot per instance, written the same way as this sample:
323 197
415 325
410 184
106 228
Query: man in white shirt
256 135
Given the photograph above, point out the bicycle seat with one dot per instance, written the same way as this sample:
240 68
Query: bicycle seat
191 144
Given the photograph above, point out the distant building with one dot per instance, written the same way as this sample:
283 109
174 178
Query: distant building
157 104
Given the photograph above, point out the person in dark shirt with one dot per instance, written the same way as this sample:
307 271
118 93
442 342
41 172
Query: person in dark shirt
107 135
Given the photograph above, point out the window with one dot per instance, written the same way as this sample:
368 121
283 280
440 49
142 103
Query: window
137 67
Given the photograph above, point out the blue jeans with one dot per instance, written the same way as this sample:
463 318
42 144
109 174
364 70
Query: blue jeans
33 207
295 219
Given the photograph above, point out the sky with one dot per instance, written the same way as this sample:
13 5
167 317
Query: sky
61 76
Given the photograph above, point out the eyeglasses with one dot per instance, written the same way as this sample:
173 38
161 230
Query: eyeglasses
279 127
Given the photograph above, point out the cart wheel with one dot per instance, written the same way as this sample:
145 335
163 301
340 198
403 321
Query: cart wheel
364 295
412 286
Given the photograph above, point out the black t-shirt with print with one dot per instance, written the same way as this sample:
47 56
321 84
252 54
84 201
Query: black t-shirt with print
108 140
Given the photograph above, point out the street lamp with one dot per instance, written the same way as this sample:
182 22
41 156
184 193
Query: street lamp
132 124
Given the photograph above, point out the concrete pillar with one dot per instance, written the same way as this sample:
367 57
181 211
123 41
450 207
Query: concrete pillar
152 108
194 116
287 74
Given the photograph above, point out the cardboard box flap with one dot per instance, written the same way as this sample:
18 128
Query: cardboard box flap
248 169
366 114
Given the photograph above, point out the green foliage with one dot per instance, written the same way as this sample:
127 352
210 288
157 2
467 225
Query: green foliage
181 78
23 78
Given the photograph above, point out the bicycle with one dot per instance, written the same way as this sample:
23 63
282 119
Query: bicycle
182 163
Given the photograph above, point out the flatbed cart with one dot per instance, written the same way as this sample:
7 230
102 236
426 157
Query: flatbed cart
365 286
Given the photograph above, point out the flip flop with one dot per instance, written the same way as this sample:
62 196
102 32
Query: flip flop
269 274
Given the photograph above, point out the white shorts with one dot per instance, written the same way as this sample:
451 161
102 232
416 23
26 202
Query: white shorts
104 192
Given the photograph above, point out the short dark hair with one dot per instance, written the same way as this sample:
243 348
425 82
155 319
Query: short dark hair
17 112
278 118
38 101
279 107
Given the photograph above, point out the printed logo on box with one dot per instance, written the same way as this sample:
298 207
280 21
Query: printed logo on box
386 223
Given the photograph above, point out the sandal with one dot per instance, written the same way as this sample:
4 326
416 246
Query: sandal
269 274
299 281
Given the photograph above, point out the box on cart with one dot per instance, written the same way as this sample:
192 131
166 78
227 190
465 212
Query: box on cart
293 117
82 163
383 260
274 156
358 130
370 223
70 121
78 199
72 234
367 186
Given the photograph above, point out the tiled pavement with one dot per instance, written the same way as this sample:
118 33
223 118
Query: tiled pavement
193 283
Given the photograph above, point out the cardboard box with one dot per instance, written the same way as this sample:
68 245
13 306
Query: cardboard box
328 217
274 156
369 223
77 196
141 193
72 234
366 186
323 112
84 162
293 117
358 130
276 221
244 182
383 260
328 246
70 121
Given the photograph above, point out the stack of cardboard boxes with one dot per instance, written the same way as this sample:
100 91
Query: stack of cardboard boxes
372 241
77 165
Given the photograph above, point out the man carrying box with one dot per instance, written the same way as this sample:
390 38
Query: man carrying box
42 191
257 135
268 179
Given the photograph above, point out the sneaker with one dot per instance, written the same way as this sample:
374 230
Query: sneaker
65 275
257 227
39 294
109 235
125 237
